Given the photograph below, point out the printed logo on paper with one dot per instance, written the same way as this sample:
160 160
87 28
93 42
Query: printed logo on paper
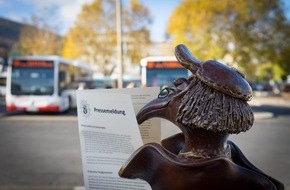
85 109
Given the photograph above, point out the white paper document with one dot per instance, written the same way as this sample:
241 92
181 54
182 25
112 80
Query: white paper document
150 129
109 134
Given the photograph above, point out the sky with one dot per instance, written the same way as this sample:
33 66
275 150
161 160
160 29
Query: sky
66 11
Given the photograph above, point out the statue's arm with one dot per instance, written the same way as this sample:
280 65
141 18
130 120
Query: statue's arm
174 143
144 163
239 158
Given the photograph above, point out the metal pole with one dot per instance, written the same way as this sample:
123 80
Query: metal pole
119 42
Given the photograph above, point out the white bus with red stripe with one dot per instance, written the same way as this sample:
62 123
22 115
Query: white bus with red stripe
161 71
42 83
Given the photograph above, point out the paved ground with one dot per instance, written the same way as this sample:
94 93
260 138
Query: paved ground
255 138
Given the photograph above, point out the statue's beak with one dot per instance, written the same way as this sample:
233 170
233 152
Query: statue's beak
165 106
155 108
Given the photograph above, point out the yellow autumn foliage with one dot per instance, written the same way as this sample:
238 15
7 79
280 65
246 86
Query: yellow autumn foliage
252 32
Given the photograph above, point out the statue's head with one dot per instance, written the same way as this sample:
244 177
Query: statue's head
214 98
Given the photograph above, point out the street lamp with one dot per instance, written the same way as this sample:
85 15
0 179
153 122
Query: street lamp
119 41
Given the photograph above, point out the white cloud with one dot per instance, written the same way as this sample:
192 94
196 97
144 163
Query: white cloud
70 11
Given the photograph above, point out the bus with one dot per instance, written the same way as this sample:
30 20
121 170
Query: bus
161 71
43 83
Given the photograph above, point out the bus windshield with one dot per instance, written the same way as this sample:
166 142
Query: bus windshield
32 81
164 77
161 71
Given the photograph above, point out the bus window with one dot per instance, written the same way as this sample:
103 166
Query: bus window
61 82
67 77
164 77
32 79
161 71
2 84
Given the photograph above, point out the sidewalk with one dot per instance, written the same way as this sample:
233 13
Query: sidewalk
269 100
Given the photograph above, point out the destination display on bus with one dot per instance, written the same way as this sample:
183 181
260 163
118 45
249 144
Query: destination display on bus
163 65
32 64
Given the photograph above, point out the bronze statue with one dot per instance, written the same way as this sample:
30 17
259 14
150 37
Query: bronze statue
207 107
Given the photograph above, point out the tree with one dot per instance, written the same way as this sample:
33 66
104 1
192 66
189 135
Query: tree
136 19
251 32
93 36
38 39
